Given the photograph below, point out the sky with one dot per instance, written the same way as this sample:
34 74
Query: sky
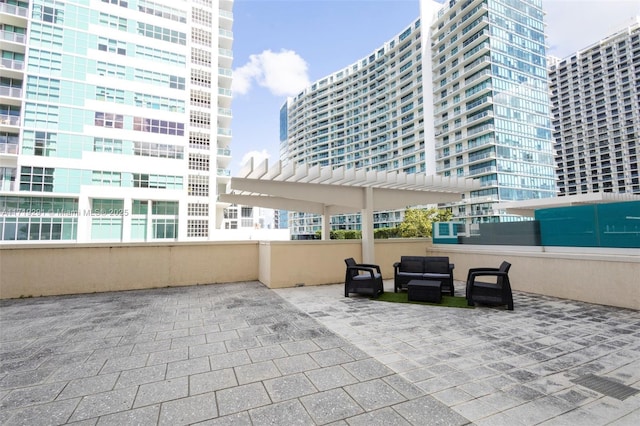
282 46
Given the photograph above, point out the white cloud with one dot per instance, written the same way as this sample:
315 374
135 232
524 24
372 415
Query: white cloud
283 73
573 25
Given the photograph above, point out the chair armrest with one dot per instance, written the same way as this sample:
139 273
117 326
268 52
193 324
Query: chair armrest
485 273
368 265
471 270
451 266
370 270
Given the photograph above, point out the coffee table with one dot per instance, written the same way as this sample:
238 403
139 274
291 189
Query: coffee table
424 291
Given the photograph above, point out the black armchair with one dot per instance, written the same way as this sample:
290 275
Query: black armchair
362 278
492 293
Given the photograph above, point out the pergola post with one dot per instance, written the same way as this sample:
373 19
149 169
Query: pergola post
366 218
326 225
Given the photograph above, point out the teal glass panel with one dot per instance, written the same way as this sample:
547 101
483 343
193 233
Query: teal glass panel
568 226
596 225
619 224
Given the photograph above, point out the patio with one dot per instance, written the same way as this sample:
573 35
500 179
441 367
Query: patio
244 354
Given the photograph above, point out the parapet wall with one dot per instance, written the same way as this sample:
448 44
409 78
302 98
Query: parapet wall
45 270
602 276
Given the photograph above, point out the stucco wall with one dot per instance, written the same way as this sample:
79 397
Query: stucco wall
86 268
604 276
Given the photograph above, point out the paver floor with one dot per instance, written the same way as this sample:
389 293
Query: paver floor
493 366
243 354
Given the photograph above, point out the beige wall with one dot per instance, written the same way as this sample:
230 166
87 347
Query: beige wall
602 276
45 270
608 277
291 263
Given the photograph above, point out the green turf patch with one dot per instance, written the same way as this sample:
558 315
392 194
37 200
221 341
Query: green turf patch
402 297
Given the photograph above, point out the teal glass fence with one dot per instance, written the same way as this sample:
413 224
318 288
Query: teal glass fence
595 225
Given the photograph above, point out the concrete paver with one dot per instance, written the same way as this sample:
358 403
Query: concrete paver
243 354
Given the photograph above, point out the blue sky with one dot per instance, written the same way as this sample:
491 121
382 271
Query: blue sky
280 46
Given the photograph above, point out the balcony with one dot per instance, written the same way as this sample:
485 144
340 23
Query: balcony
12 64
9 120
12 37
225 19
11 9
11 92
9 148
225 39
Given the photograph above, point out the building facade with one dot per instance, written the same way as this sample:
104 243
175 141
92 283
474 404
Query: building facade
461 91
595 97
368 115
491 103
115 119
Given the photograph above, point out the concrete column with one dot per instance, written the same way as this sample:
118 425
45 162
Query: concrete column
326 225
366 218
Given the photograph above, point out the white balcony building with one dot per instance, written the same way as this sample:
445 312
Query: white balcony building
595 96
115 119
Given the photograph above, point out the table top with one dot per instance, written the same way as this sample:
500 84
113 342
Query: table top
426 283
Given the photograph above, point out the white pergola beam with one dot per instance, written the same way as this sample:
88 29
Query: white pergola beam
276 203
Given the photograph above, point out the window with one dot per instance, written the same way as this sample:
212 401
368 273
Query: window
105 119
199 186
161 150
156 9
141 180
165 208
106 178
110 95
200 119
112 46
107 145
200 57
36 228
121 3
162 33
198 162
36 179
197 228
165 228
200 36
198 209
48 14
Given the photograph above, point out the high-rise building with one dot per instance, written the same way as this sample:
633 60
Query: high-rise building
115 119
595 95
491 103
461 91
366 115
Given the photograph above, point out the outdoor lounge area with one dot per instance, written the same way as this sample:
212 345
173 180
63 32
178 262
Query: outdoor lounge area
241 353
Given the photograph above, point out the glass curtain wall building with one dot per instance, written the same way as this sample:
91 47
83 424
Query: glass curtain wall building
461 91
115 119
595 97
491 103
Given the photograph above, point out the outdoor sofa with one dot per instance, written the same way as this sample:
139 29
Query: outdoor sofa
432 268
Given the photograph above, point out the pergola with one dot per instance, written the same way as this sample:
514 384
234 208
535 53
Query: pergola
329 191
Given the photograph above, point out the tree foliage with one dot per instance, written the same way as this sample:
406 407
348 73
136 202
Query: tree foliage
418 222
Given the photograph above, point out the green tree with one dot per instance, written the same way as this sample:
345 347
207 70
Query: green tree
418 222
